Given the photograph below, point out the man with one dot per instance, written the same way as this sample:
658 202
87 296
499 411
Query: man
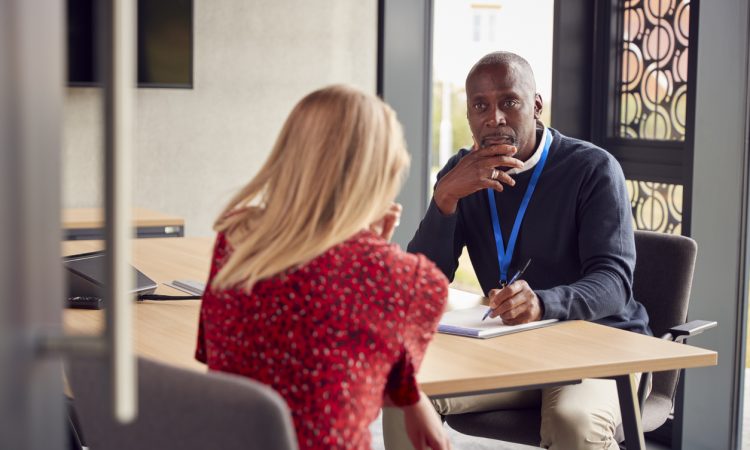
525 192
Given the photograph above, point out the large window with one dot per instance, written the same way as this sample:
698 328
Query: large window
464 31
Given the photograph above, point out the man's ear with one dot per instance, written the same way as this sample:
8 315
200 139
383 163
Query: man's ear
538 105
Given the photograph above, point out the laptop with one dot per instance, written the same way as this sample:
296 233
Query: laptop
85 276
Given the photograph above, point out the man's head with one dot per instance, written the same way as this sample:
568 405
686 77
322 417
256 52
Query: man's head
502 102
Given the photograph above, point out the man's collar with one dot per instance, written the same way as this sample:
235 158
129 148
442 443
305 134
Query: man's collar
534 158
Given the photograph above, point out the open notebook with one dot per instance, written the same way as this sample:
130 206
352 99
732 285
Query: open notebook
468 322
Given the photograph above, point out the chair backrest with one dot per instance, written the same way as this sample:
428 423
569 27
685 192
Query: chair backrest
662 280
181 409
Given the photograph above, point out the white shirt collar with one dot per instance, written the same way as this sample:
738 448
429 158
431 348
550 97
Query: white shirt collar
534 158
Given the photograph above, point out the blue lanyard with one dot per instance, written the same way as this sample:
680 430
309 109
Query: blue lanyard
504 257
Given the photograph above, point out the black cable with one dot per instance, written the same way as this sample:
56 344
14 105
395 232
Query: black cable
168 297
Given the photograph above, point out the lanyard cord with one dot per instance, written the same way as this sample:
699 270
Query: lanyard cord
504 257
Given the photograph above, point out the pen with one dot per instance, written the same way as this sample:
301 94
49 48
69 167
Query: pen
513 279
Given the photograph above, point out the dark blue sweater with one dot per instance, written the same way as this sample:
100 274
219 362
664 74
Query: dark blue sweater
577 231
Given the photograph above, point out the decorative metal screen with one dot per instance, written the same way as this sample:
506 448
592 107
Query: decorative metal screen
656 206
651 101
654 70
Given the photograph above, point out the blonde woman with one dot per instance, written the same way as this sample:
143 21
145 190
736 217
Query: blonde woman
305 292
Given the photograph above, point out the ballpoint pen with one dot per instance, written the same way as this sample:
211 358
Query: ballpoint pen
514 278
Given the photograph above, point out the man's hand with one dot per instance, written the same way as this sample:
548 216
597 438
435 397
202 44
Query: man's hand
386 225
515 304
473 173
423 426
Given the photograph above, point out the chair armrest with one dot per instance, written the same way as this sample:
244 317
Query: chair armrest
692 328
676 334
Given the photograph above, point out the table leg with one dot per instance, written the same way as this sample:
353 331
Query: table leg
627 391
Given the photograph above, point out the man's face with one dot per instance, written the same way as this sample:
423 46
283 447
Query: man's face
502 107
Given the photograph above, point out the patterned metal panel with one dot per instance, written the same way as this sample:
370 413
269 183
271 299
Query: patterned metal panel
656 206
654 69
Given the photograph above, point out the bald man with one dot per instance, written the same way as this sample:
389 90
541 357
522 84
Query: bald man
527 192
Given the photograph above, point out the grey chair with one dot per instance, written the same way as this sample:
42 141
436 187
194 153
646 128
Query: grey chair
661 282
181 409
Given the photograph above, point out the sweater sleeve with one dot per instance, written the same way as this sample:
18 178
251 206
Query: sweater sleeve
606 248
440 236
429 295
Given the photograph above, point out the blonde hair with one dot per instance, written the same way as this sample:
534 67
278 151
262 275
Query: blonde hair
335 168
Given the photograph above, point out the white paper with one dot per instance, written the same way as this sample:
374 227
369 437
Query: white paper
468 322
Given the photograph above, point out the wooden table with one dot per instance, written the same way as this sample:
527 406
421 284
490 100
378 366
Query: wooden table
453 365
165 330
88 223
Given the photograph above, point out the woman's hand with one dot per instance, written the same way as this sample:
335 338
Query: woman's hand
424 427
386 225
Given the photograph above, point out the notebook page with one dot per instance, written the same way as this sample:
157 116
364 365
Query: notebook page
468 322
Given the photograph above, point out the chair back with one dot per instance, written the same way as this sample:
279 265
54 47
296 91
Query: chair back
181 409
662 280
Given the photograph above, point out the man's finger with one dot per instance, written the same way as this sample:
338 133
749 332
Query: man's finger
502 161
497 296
512 314
496 150
503 294
505 149
501 303
505 178
514 288
520 317
509 304
506 293
493 184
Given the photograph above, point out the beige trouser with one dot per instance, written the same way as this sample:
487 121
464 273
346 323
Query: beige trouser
574 417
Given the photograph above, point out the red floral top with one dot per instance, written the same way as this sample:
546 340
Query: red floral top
331 336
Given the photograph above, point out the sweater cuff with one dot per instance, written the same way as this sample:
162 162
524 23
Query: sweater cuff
551 304
442 223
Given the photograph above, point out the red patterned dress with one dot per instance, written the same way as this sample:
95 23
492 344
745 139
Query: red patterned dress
331 336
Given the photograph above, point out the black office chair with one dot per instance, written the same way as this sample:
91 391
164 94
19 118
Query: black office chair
662 280
181 409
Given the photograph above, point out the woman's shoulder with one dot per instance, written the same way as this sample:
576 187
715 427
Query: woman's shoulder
375 249
401 281
401 266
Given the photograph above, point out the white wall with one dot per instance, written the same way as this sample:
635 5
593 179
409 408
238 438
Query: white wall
253 60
